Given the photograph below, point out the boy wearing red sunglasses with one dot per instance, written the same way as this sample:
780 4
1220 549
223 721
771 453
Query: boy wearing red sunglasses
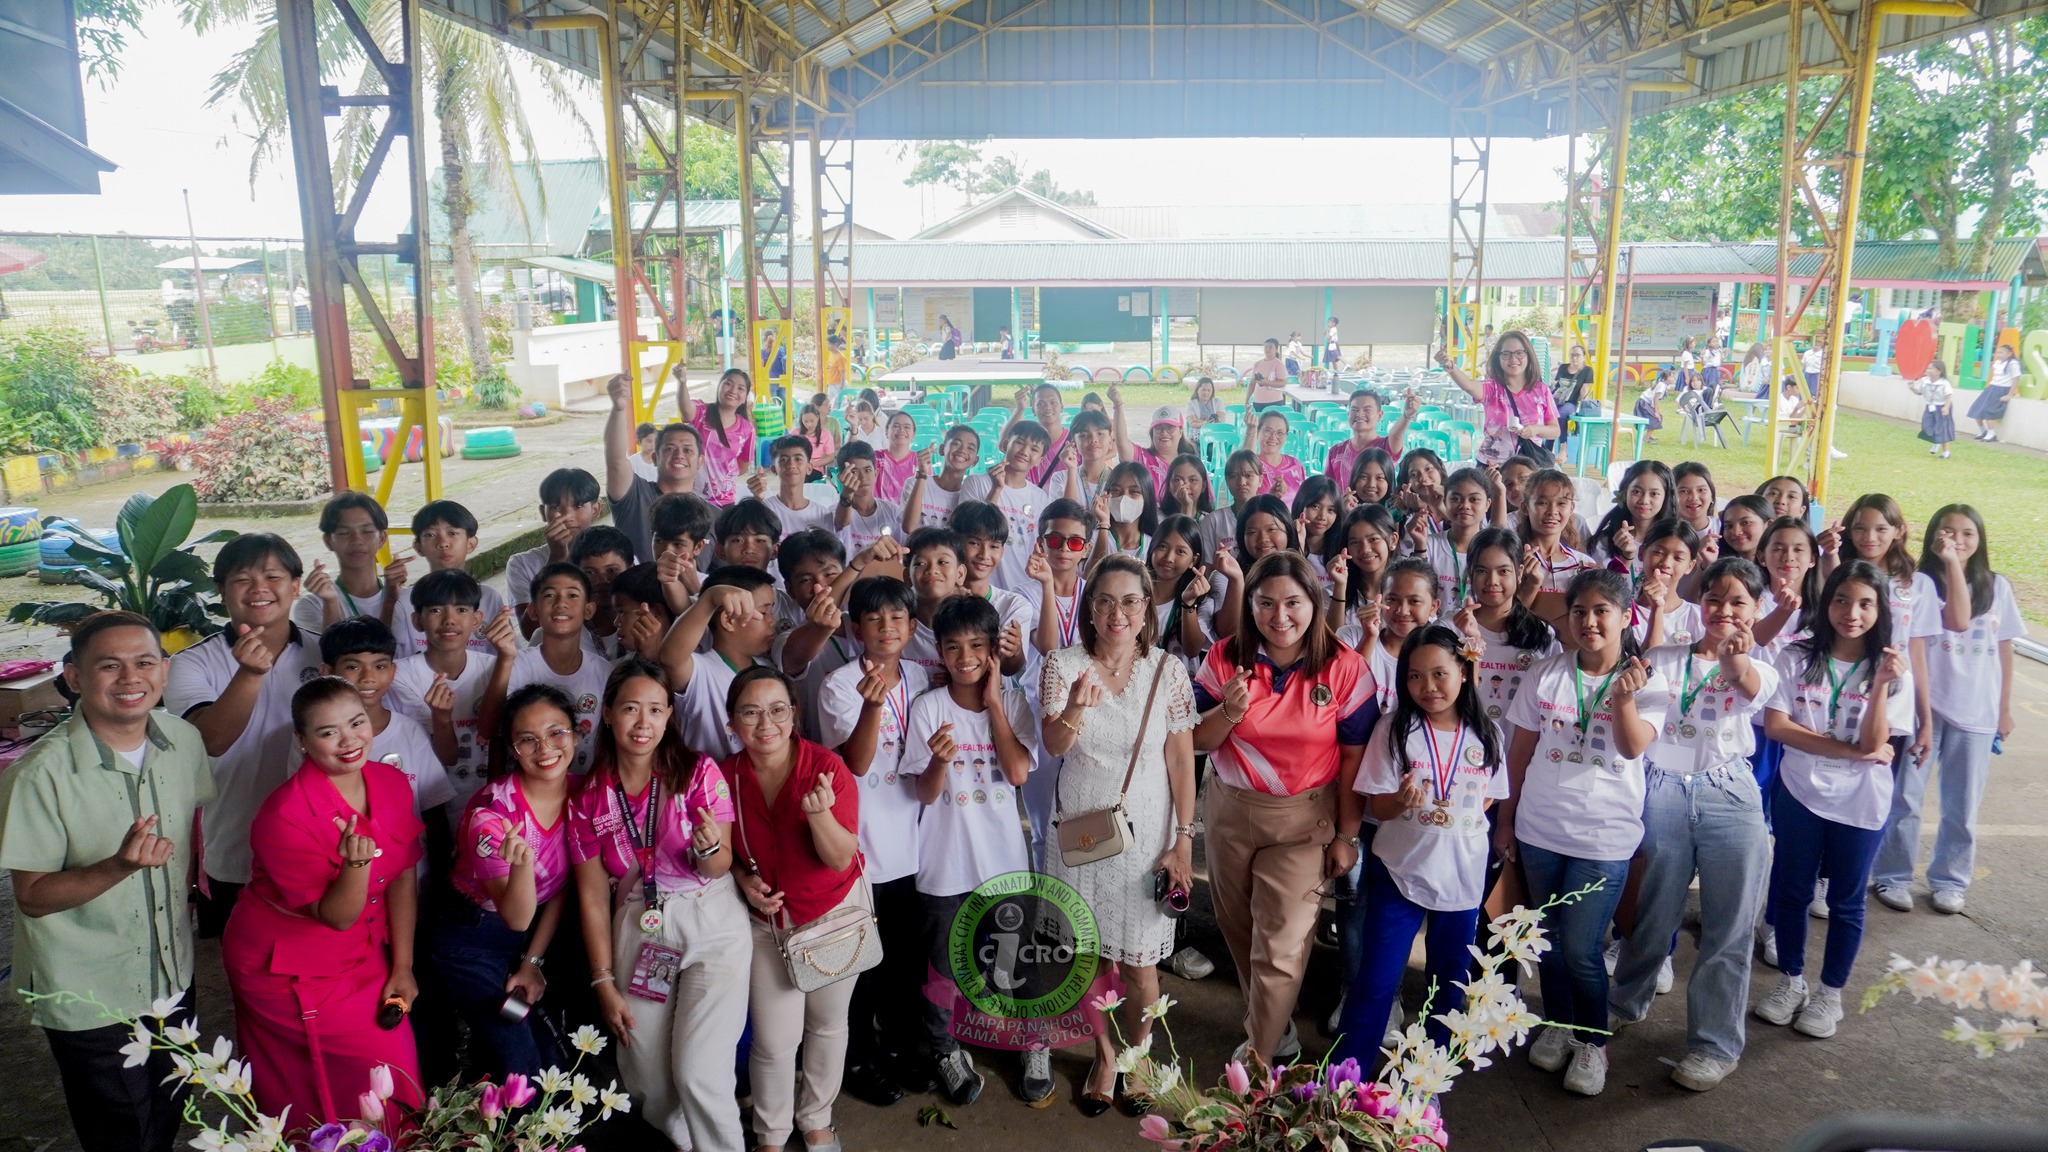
1064 529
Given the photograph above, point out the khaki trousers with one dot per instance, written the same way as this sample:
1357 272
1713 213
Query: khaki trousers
786 1021
1265 857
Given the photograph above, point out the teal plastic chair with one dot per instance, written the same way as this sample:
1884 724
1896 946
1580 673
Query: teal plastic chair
1467 435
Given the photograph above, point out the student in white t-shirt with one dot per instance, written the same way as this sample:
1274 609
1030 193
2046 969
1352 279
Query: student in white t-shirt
865 712
354 528
568 505
1510 637
791 457
562 605
1834 787
450 689
1704 817
863 518
1548 528
938 572
236 687
361 651
932 497
737 607
984 540
1969 619
1008 486
1576 814
444 534
976 740
1431 770
1662 617
815 572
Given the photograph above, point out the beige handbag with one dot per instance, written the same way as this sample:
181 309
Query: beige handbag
843 942
1086 837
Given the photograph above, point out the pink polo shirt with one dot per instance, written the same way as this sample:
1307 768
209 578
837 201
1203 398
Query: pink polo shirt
598 831
1288 741
496 811
723 460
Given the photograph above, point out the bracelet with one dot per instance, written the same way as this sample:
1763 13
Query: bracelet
1187 830
357 863
604 979
707 853
1228 718
536 961
1069 725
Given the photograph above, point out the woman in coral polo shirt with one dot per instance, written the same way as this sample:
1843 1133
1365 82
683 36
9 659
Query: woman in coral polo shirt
1285 713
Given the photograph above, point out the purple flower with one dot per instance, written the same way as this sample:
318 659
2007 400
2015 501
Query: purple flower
517 1092
376 1142
1343 1071
327 1137
1306 1092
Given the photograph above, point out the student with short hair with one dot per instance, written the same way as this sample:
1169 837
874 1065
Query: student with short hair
678 453
737 608
444 534
746 533
932 496
681 527
363 652
1010 488
569 503
236 687
96 827
602 552
815 576
791 458
984 540
640 606
355 528
862 517
563 602
450 688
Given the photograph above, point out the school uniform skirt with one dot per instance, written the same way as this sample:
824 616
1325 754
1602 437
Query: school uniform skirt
1990 403
1937 425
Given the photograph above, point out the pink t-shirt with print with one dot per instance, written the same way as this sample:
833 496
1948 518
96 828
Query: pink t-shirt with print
498 809
1157 465
892 476
597 831
1532 405
1291 474
719 480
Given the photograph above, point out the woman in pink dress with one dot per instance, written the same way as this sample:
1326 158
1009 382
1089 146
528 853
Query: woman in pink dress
726 426
1516 404
321 941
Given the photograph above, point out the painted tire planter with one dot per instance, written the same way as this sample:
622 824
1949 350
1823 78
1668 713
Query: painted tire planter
20 524
1137 372
20 557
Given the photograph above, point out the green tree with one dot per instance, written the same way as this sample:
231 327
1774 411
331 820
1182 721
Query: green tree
474 90
960 165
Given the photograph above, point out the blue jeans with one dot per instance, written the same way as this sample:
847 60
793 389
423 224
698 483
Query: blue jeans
473 952
1811 848
1710 824
1574 973
1391 922
1965 765
1352 897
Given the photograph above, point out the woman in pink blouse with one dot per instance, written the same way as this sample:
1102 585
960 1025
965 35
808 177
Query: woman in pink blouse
510 879
726 426
1516 403
322 939
650 834
798 816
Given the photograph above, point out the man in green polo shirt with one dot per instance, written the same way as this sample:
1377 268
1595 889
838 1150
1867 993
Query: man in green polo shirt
96 826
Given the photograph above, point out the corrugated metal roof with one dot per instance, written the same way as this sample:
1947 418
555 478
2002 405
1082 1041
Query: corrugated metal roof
1423 221
547 212
578 267
700 215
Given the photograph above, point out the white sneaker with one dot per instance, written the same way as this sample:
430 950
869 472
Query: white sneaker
1823 1010
1551 1048
1289 1048
1701 1072
1838 454
1894 897
1587 1075
1394 1021
1784 1002
1818 906
1612 956
1665 977
1948 901
1190 964
1767 941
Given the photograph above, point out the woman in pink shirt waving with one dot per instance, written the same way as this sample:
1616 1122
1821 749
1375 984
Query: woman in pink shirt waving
1516 403
726 425
510 877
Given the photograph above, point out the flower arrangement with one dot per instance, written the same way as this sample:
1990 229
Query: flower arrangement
521 1115
1333 1105
2015 994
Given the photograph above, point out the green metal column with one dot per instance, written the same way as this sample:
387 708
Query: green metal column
1734 324
1763 313
1165 340
725 303
871 326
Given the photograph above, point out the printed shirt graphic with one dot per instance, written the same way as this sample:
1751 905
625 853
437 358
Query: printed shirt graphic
408 694
971 833
498 810
718 479
1853 792
1580 797
889 807
1718 728
1502 670
1020 507
597 831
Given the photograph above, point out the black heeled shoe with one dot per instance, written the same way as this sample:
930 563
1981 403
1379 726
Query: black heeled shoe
1130 1103
1094 1104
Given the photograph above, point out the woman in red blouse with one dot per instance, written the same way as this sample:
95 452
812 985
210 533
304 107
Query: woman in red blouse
1285 713
322 939
796 827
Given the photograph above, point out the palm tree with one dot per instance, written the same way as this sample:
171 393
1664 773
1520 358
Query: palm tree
472 84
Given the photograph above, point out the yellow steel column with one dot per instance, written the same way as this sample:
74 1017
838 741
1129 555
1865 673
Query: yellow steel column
743 140
1610 247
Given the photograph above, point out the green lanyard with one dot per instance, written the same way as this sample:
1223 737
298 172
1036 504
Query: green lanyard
1587 707
1835 686
353 608
1686 692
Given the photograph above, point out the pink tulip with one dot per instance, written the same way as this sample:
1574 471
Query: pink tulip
1237 1078
1155 1128
380 1081
372 1107
517 1092
488 1105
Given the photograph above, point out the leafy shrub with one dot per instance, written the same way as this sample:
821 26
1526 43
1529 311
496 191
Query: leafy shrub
280 382
131 408
46 384
268 453
496 390
199 398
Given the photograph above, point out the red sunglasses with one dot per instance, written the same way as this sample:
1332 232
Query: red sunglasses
1054 541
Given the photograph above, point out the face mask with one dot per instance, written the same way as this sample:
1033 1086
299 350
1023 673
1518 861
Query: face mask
1125 509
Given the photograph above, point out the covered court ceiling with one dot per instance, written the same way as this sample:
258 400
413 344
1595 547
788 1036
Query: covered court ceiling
946 69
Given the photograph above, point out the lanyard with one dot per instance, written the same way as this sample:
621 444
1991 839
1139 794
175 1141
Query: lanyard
896 704
1443 773
1686 692
736 669
353 608
1587 707
1835 694
1069 617
643 852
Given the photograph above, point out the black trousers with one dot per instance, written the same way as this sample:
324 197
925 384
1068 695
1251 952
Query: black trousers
214 910
117 1109
888 999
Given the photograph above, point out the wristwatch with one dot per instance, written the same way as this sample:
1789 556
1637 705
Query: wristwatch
1354 841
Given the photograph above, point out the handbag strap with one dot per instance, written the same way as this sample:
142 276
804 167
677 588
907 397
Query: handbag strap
780 922
1144 720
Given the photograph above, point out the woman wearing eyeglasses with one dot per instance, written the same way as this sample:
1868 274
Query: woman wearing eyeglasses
650 832
1115 692
1517 404
797 821
1285 712
510 879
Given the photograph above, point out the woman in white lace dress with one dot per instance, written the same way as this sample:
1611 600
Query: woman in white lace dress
1095 698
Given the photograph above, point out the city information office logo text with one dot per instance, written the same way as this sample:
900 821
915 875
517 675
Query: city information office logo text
1023 946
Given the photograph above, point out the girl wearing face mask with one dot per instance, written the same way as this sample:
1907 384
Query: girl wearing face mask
1315 517
1125 513
1468 497
1268 437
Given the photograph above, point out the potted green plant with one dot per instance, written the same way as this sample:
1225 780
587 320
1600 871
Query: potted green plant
156 573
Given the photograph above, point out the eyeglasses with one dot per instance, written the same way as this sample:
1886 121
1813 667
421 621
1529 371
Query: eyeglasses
529 744
1056 542
1128 607
1514 353
753 717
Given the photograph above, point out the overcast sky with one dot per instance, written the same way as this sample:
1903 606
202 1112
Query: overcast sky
154 124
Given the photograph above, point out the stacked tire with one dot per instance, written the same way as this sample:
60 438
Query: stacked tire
489 444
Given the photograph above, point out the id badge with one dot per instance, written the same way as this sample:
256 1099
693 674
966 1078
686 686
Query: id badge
654 972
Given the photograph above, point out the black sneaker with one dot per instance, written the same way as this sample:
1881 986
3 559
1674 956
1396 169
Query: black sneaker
961 1083
868 1085
913 1073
